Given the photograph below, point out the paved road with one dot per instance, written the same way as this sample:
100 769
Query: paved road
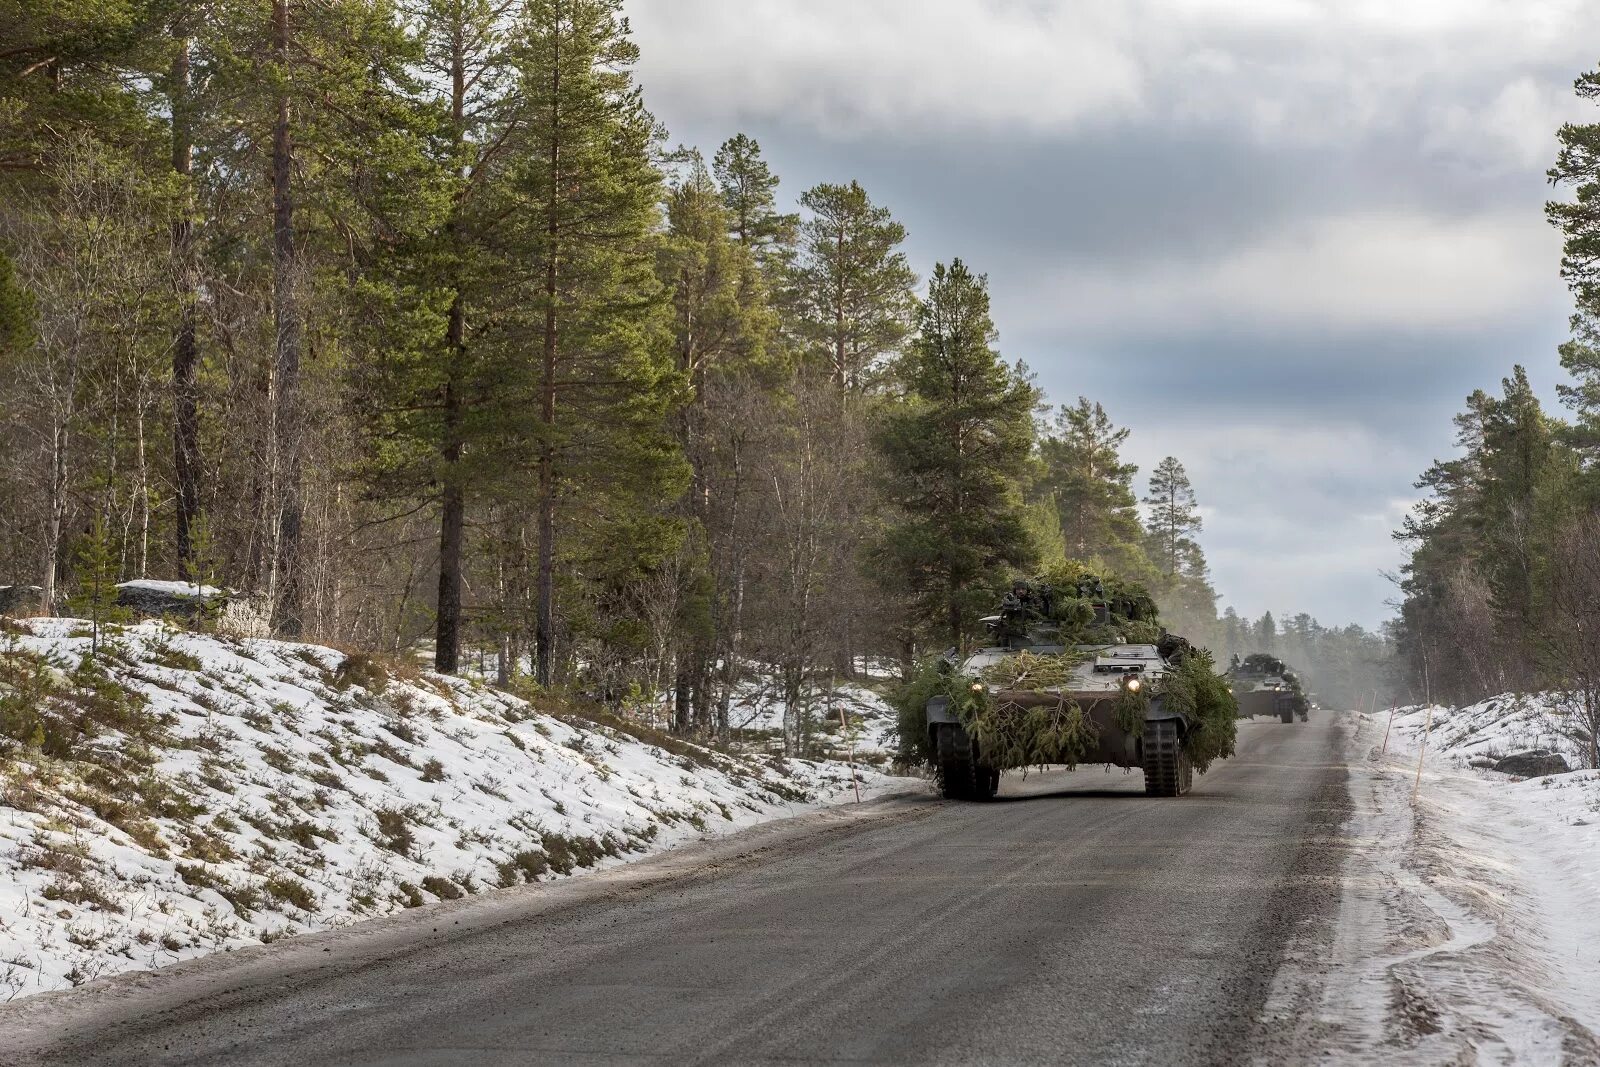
1072 921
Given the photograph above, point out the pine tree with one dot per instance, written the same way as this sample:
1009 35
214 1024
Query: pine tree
957 448
852 286
1266 633
749 195
1174 518
587 195
1093 489
721 326
96 597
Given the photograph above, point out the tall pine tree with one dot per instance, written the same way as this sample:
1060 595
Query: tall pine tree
956 449
1093 489
603 383
852 285
1174 517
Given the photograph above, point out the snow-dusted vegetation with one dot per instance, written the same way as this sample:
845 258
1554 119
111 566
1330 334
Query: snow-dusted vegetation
180 793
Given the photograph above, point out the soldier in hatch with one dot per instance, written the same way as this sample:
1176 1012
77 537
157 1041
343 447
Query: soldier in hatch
1018 609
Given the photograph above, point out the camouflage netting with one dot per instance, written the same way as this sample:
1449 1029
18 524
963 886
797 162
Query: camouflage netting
1065 601
1194 688
1049 729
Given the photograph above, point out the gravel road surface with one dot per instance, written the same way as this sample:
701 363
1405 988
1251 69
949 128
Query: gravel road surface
1074 920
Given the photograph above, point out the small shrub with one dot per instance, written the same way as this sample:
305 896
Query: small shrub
433 771
291 891
443 888
394 831
525 866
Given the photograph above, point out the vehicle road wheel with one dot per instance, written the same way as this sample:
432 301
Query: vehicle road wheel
1168 771
956 778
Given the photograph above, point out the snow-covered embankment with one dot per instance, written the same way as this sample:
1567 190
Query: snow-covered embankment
1485 885
185 793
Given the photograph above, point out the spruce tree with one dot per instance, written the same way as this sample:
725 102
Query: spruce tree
956 447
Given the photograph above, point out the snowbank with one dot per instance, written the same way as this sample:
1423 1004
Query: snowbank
1504 870
190 793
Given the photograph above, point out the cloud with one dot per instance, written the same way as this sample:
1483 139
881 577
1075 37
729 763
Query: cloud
1354 272
853 68
1298 515
1306 71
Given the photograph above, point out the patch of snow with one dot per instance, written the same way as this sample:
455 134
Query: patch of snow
188 589
289 789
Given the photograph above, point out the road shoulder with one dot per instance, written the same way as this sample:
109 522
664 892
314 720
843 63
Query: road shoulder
1438 953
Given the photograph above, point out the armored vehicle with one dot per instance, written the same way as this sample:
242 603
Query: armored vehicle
1092 695
1262 685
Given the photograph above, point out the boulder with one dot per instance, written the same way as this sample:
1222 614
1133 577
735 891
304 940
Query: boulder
21 599
1533 764
232 613
182 600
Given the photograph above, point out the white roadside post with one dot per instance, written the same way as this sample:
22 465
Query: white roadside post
1422 751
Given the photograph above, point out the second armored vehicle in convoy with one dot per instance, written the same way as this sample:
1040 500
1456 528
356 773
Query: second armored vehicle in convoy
1262 685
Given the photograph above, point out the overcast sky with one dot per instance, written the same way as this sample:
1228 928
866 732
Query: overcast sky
1279 239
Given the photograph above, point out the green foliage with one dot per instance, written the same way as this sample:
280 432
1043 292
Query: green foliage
1195 689
17 325
851 287
27 682
96 596
749 195
1027 670
1058 732
956 448
1093 489
935 677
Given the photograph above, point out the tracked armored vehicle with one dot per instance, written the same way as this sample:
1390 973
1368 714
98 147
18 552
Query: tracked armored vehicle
1106 695
1263 685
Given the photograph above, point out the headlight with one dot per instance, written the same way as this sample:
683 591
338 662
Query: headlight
977 687
1133 685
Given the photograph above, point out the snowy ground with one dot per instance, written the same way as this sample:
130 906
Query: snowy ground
238 791
757 704
1470 924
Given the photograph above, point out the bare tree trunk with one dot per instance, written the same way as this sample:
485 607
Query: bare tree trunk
289 597
56 517
453 506
186 345
142 490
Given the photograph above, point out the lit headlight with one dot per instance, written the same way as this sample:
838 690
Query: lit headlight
1133 685
977 687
